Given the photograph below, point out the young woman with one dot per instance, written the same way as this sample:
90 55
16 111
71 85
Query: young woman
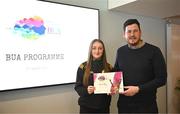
96 63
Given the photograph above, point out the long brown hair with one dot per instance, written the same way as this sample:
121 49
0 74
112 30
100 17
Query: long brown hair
106 66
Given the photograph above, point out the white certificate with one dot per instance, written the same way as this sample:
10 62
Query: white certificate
103 82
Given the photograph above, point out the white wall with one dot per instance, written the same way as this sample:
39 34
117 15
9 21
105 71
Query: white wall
63 99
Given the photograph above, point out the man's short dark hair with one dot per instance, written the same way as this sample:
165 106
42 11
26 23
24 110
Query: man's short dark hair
130 22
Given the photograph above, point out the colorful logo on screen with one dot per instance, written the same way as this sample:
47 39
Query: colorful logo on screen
31 28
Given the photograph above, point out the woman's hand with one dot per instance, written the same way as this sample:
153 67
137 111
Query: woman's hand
90 89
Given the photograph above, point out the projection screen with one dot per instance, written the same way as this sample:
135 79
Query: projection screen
42 43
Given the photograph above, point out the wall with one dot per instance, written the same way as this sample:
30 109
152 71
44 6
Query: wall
63 99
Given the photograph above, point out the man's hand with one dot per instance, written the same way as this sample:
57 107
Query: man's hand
114 89
130 90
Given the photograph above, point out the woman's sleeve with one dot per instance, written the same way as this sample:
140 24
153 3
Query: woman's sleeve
80 89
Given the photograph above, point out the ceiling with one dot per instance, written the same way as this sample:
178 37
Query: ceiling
165 9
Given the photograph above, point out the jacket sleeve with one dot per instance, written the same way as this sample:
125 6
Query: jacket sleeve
159 70
79 88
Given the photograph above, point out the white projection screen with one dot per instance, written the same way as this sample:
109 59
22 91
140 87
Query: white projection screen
42 43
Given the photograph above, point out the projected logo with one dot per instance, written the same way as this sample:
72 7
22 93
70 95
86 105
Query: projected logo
31 28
